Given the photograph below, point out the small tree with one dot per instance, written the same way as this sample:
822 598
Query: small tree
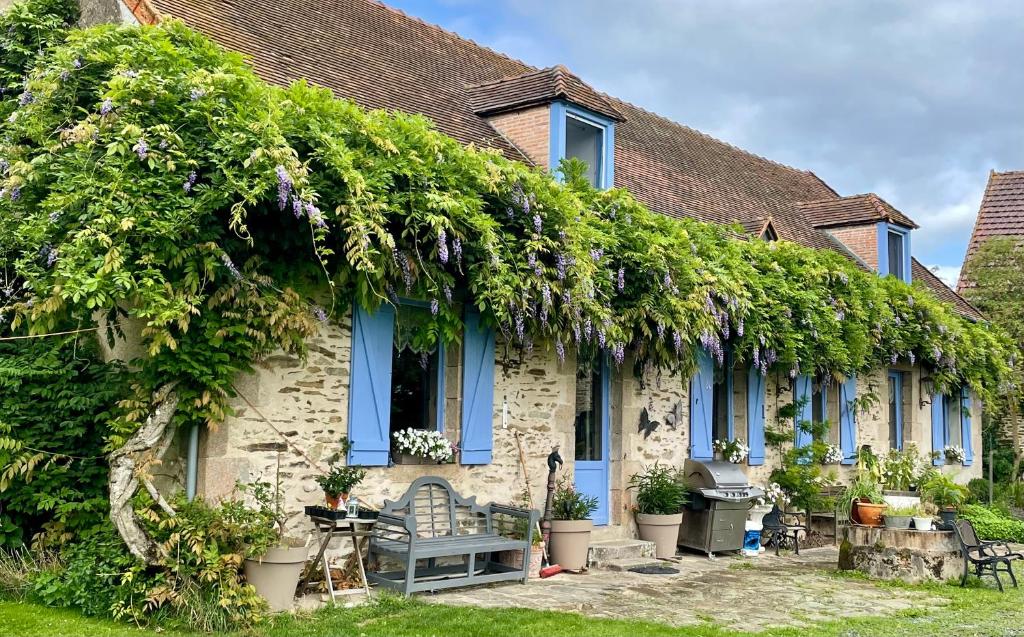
992 281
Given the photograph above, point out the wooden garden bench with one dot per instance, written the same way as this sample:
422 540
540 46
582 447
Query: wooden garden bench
432 523
985 557
832 497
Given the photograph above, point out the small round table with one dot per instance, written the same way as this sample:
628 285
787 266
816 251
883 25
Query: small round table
327 529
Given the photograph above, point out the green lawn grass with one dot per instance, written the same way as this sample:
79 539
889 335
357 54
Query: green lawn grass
971 612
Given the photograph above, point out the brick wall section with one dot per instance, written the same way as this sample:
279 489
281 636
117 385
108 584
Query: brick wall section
861 240
528 130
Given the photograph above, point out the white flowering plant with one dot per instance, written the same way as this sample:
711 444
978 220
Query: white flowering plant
732 450
425 444
955 453
773 494
833 455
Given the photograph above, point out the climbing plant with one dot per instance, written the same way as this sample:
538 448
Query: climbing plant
149 174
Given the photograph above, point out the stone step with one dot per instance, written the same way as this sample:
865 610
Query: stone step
603 552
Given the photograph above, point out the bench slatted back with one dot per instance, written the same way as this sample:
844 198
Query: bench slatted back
439 510
969 541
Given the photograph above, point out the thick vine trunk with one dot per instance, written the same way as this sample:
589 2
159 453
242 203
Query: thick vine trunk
128 467
1016 439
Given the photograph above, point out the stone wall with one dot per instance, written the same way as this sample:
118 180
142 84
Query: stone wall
296 413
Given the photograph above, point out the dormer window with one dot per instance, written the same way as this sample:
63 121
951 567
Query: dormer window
584 135
896 241
585 142
894 250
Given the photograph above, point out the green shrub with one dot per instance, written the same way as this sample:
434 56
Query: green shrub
977 491
991 524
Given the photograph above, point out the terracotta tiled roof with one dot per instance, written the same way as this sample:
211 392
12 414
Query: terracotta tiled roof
943 291
537 87
852 210
1001 213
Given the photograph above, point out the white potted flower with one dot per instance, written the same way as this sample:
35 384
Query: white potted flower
955 453
420 446
833 455
773 494
732 451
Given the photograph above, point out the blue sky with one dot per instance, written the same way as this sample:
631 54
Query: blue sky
914 101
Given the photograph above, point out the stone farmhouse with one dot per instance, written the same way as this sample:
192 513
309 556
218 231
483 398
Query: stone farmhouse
506 415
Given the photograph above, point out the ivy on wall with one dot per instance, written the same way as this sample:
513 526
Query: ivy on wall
148 173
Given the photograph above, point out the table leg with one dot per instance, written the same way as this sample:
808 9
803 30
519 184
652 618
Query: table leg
327 577
359 560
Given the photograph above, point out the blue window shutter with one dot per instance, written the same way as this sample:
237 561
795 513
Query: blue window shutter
701 397
478 391
938 428
369 403
965 426
803 388
848 420
755 416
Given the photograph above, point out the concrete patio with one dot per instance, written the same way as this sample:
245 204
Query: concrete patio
735 592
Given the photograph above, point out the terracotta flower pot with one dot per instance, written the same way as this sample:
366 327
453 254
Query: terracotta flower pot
570 542
515 559
276 575
663 530
334 500
870 514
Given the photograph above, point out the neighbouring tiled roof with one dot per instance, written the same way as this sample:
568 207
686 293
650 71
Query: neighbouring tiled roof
1001 213
832 212
382 58
537 87
920 273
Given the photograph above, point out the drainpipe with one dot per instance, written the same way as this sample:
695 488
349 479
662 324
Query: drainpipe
192 463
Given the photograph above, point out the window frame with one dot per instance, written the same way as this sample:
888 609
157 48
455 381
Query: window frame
898 376
885 230
560 110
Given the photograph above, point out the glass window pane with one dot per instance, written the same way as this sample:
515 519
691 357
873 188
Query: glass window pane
952 424
589 430
894 400
720 408
896 254
585 142
413 390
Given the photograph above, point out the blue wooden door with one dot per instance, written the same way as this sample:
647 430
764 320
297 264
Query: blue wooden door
592 432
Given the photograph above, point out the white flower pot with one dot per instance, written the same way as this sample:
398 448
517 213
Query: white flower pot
757 513
923 524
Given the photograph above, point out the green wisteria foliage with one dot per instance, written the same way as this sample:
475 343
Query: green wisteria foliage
147 173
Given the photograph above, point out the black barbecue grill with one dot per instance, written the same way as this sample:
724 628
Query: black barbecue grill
716 513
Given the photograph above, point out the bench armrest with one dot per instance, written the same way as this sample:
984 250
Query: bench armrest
516 512
394 523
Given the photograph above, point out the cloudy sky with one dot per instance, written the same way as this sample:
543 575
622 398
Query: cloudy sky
915 101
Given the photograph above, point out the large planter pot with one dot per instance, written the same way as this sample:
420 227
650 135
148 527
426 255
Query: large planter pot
276 574
515 559
948 517
334 500
663 530
923 524
570 542
756 513
897 521
870 514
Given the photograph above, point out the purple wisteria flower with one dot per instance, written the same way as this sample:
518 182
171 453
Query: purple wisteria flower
618 353
319 314
538 224
560 350
190 182
545 293
315 216
54 216
50 253
531 260
26 98
435 307
660 329
677 340
77 63
141 149
447 294
131 75
566 297
621 283
284 186
893 358
15 193
4 167
64 75
403 262
560 266
196 94
392 295
596 254
520 325
793 372
297 207
667 280
457 250
106 107
442 246
600 338
912 357
232 268
739 328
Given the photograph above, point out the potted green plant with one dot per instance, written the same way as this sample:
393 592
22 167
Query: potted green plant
337 483
273 564
899 517
570 526
864 502
945 494
658 505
